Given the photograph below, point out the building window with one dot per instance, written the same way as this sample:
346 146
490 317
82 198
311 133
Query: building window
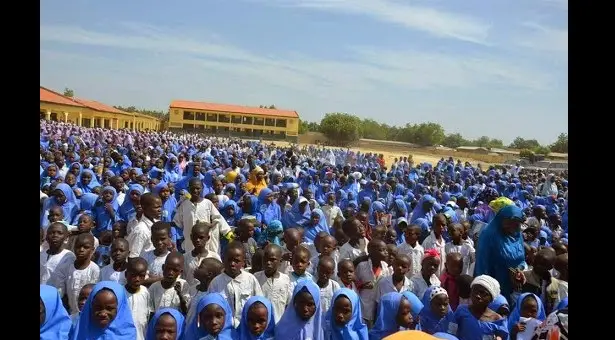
269 122
247 120
212 117
188 115
200 116
280 123
223 118
85 122
236 119
259 121
126 125
199 126
188 126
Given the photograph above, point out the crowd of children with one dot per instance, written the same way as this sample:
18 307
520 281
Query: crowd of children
166 236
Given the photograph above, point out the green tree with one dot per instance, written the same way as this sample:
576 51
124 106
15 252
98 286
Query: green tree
542 150
341 128
373 130
561 145
303 127
429 134
454 140
521 143
496 143
68 92
482 142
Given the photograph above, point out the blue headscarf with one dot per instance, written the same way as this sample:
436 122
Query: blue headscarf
294 218
291 327
87 206
431 323
121 327
497 252
515 315
416 305
418 211
57 323
386 321
269 211
355 329
70 208
127 209
89 187
498 302
194 332
243 331
310 230
273 231
179 323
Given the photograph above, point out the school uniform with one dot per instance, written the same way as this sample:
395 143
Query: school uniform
236 291
277 289
168 297
415 253
141 306
364 273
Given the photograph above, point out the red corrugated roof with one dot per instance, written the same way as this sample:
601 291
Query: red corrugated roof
190 105
98 106
50 96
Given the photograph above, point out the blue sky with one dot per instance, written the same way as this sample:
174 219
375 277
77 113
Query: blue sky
496 68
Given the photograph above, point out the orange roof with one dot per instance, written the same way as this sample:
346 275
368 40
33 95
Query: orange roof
50 96
185 104
98 106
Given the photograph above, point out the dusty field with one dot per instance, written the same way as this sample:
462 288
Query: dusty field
418 157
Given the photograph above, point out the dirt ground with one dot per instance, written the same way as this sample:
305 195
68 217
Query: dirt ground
418 157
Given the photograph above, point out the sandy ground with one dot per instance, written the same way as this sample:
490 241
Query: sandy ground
390 156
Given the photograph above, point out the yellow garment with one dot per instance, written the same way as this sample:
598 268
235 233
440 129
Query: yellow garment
410 335
500 203
231 176
253 186
230 236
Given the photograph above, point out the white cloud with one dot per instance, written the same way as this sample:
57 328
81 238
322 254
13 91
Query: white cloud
142 65
543 38
433 21
561 4
407 69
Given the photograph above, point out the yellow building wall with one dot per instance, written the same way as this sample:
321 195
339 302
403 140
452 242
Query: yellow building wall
176 120
87 117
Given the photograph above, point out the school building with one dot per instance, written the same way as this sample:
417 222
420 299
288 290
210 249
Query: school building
234 120
90 113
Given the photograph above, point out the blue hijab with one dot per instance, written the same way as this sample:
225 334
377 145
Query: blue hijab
355 329
431 323
294 218
121 327
291 327
515 315
418 211
311 230
168 206
179 323
497 252
194 332
498 302
416 305
243 331
86 202
90 186
269 211
386 320
57 323
70 208
127 209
